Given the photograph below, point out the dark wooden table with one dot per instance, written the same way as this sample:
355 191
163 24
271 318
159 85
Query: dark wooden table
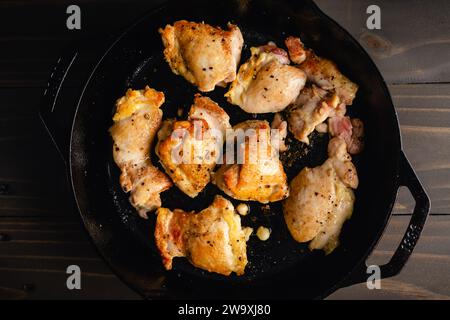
40 235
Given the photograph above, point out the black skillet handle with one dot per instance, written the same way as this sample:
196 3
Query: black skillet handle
55 120
409 179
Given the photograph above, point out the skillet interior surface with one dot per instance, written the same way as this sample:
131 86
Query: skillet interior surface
284 268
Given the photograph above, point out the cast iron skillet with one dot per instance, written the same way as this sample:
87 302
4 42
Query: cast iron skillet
279 268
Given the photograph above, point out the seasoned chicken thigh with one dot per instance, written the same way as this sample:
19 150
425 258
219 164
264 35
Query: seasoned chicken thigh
203 55
312 107
266 82
136 121
325 74
212 239
189 150
258 174
321 71
327 99
321 199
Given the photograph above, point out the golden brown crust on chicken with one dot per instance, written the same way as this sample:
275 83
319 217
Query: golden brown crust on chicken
190 174
266 82
136 121
321 71
204 55
325 74
189 150
170 230
260 176
322 199
212 239
206 109
136 100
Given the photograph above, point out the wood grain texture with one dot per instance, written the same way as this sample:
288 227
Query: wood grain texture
31 170
29 50
402 56
413 44
427 273
424 115
34 260
40 250
44 235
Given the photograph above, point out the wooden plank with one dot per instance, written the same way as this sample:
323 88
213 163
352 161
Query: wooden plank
413 44
20 68
15 127
32 284
402 56
424 115
32 175
27 61
49 17
34 260
41 249
29 50
427 273
20 103
44 235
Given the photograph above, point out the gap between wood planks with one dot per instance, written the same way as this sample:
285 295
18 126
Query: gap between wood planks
426 276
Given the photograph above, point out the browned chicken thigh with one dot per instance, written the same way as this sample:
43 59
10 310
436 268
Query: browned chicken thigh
323 72
212 239
189 149
326 99
259 175
204 55
321 199
266 82
311 108
136 121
